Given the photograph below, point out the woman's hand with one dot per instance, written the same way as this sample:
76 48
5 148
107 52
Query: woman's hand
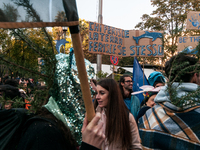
92 133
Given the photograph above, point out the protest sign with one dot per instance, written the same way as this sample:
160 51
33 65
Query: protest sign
193 20
109 40
187 43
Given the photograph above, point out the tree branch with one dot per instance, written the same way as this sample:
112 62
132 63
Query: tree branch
23 67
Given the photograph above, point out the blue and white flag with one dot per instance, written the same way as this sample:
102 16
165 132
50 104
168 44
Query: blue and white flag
139 79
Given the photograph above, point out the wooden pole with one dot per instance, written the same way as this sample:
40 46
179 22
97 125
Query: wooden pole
76 40
143 69
113 77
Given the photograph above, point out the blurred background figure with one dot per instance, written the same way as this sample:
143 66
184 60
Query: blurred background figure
8 95
5 77
30 86
93 84
8 104
147 103
149 99
12 82
156 79
1 81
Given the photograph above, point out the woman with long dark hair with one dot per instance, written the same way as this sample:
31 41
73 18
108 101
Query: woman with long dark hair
119 126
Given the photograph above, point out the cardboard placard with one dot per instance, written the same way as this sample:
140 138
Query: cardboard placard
109 40
189 42
193 20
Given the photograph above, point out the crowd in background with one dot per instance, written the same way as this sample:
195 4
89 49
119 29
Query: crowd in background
122 121
24 89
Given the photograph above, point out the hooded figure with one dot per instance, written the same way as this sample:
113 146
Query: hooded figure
173 123
156 79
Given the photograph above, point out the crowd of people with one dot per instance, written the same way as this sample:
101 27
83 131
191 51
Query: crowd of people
122 122
161 124
23 87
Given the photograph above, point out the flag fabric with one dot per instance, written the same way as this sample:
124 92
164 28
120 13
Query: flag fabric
37 13
139 79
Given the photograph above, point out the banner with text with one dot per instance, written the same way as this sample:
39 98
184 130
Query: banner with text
193 20
109 40
188 44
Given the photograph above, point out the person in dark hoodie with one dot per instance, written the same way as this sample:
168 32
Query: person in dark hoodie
24 131
45 131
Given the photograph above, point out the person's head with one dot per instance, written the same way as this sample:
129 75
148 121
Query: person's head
24 85
179 63
108 93
12 82
156 79
8 105
9 92
6 77
158 83
27 80
125 84
149 99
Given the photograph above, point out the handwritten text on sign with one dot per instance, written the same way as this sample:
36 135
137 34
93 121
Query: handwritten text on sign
108 40
188 42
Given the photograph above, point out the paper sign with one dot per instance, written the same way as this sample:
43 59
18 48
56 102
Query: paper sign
193 20
109 40
189 43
